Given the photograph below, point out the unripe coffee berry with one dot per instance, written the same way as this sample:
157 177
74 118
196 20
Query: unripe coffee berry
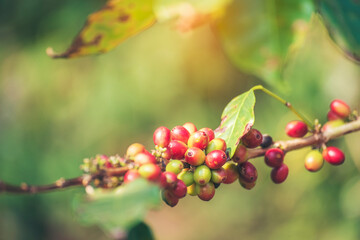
134 149
144 158
340 108
198 139
209 132
296 129
161 137
279 174
274 157
190 127
332 124
150 171
131 175
180 189
215 159
174 166
191 190
267 141
333 155
195 156
252 139
180 133
177 149
202 175
169 198
186 176
216 144
168 180
166 154
232 173
247 172
314 161
218 175
240 155
205 192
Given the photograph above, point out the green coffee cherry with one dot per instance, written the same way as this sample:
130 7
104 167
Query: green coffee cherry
202 175
314 161
218 175
186 176
174 166
191 190
216 144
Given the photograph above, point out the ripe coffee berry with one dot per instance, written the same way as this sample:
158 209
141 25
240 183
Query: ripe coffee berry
166 154
333 155
198 139
205 192
144 158
240 155
180 133
168 180
177 149
247 185
332 116
161 137
215 159
216 144
209 132
180 189
190 127
274 157
174 166
169 198
232 173
314 161
186 176
252 139
247 172
267 141
340 108
195 156
218 175
134 149
131 175
296 129
279 174
150 171
202 175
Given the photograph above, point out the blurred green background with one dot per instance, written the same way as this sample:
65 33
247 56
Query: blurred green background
54 113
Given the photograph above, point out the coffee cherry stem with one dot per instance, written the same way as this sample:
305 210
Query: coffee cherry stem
287 104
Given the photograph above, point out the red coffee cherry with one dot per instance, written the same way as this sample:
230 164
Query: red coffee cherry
195 156
144 158
216 144
231 172
209 132
169 198
296 129
190 127
240 155
215 159
314 161
274 157
150 171
247 172
205 192
134 149
161 137
180 189
279 174
131 175
247 185
166 154
198 139
252 139
168 180
218 175
180 133
332 116
340 108
333 155
177 149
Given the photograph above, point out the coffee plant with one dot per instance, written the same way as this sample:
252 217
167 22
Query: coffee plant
195 161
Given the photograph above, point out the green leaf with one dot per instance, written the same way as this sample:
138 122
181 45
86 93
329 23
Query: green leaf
121 208
258 35
105 29
342 19
140 232
236 120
